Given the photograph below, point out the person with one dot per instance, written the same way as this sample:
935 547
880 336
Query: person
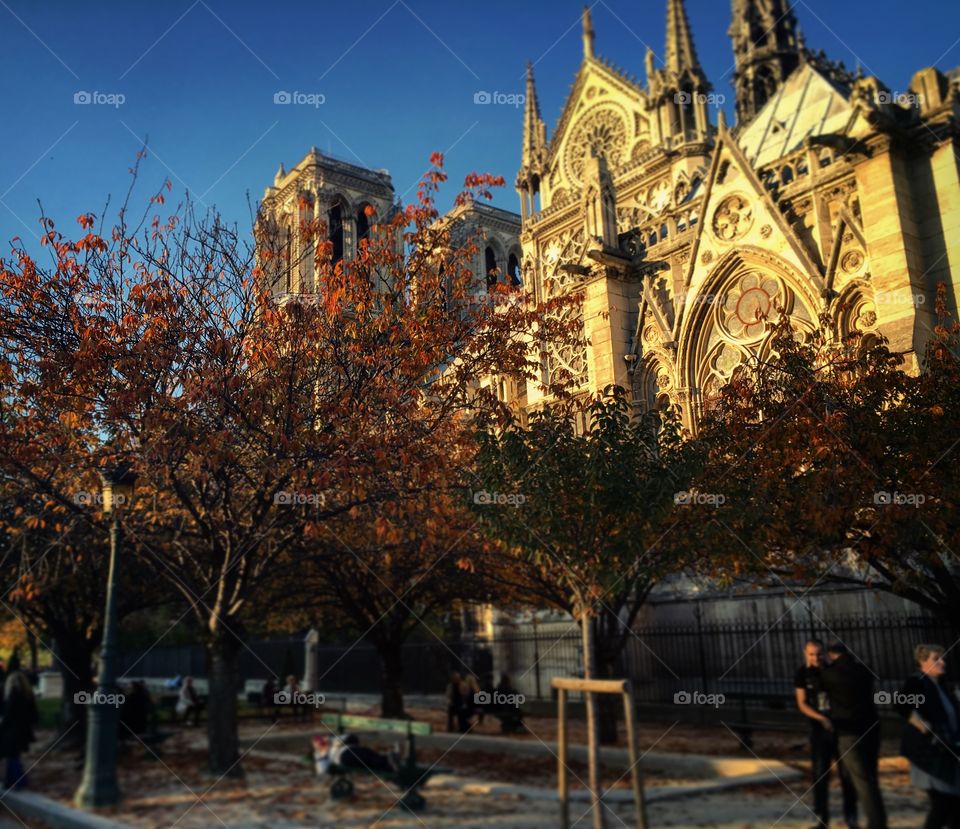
454 702
469 688
505 698
291 693
812 702
268 698
189 702
853 713
344 750
931 736
16 727
137 713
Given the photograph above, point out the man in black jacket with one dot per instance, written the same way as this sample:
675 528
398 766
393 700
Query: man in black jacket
853 712
812 702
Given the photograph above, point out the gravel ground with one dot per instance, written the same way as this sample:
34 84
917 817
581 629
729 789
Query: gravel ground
175 791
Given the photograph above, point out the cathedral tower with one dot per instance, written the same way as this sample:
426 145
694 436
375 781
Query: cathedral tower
766 50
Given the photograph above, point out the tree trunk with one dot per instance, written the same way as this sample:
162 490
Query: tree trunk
223 676
593 744
391 688
611 706
74 657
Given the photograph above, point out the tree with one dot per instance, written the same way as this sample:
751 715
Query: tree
167 340
838 465
585 509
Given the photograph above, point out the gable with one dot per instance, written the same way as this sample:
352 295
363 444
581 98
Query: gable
604 112
739 217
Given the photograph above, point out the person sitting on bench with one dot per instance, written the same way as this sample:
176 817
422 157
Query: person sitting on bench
189 703
345 751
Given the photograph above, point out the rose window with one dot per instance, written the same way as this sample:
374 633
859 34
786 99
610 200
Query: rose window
602 133
748 304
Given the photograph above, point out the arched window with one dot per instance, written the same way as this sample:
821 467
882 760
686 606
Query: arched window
490 266
513 270
786 174
664 231
363 224
335 232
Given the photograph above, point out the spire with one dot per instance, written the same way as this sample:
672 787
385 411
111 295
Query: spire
680 54
588 33
766 49
534 130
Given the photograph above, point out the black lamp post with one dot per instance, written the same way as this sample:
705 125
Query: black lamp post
99 784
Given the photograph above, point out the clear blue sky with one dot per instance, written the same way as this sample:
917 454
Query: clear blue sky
398 79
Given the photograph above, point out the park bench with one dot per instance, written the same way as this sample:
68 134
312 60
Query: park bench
409 778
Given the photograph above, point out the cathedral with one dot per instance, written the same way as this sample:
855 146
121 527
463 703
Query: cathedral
830 193
685 235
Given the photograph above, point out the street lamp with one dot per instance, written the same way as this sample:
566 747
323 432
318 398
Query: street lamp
99 784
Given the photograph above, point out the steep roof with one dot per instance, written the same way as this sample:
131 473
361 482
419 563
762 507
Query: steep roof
806 104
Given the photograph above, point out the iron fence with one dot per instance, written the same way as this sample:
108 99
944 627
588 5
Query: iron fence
752 660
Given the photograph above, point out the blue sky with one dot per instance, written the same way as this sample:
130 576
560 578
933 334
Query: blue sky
397 80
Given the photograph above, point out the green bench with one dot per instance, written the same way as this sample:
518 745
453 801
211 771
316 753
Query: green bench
409 778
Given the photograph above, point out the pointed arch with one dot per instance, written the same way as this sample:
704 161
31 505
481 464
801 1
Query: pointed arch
722 324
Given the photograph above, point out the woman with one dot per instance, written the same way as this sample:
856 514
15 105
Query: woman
16 728
931 736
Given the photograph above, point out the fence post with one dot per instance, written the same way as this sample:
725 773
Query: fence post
536 658
311 672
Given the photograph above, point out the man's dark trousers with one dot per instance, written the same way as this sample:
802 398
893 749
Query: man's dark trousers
860 755
823 751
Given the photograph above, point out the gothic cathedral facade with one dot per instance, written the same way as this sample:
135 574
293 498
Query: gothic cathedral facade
829 194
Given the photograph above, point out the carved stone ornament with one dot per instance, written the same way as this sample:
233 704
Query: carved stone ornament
733 218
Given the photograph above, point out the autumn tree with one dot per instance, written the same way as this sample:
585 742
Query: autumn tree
172 343
838 465
586 509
